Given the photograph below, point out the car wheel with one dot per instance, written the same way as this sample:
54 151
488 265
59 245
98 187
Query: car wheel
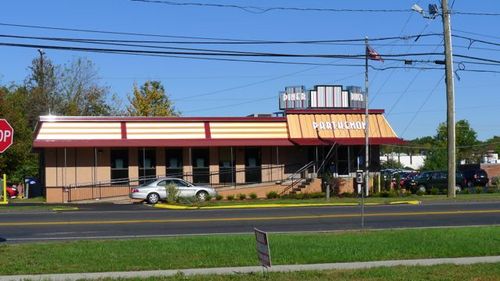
153 198
201 195
421 188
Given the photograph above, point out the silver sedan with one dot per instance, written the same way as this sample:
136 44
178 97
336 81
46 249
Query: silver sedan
154 191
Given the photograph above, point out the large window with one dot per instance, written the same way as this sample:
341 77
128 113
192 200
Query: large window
173 162
253 173
200 162
119 166
343 160
226 165
147 164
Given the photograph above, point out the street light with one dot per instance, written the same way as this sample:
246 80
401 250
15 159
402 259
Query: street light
450 95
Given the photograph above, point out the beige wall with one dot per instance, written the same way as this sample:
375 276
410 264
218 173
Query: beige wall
160 162
240 164
133 164
214 164
186 162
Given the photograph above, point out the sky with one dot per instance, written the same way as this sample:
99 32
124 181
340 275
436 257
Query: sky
413 96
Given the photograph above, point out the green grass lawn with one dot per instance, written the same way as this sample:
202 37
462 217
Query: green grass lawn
383 200
477 272
239 250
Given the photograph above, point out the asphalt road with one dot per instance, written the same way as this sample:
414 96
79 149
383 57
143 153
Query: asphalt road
97 221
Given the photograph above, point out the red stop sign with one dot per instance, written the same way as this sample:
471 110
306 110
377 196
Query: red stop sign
6 135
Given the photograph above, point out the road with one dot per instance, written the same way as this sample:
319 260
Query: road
96 221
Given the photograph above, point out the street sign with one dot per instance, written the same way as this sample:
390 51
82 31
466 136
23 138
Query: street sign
263 251
6 135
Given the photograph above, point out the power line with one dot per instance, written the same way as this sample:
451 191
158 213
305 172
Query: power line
261 10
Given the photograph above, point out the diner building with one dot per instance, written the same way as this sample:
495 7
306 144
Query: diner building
86 158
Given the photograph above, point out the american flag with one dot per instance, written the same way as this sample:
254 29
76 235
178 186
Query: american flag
373 55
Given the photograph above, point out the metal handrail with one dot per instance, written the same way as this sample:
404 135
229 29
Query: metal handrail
296 181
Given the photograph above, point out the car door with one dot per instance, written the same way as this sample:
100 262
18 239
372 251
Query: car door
185 189
161 188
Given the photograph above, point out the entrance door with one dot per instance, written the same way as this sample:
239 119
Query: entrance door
200 162
253 172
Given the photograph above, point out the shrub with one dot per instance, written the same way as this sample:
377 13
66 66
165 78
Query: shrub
242 196
253 196
346 194
420 192
495 181
465 191
479 189
272 195
289 196
490 189
317 195
434 191
208 197
172 192
230 197
219 197
299 196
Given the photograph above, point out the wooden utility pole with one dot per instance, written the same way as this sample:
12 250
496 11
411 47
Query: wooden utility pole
450 99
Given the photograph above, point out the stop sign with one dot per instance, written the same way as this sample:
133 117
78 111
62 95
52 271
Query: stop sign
6 135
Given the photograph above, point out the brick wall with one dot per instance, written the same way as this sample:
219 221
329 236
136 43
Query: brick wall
493 170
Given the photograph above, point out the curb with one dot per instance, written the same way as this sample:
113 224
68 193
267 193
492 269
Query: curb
263 206
251 269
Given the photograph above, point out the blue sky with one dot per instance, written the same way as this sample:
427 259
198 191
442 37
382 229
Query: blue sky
414 99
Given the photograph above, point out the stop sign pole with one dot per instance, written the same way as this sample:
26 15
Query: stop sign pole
6 135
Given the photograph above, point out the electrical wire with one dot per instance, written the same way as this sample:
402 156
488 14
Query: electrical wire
261 10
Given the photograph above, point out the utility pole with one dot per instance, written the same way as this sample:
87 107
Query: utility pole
450 99
367 153
42 80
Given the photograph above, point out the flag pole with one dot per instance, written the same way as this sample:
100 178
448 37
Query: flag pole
367 159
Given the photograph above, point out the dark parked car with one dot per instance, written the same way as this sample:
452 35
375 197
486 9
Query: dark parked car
425 181
477 177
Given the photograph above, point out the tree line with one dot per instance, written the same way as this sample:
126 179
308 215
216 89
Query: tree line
468 148
70 89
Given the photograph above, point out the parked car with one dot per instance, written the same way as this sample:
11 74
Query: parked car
155 190
435 179
476 177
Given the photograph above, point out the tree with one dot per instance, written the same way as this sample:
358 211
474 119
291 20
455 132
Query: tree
18 161
82 95
466 139
151 100
41 87
391 164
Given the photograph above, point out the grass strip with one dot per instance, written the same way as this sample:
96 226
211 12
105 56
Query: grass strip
239 250
476 272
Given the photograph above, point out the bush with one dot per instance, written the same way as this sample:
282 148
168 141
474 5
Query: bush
434 191
219 197
253 196
490 189
317 195
479 189
420 192
230 197
495 181
172 193
347 194
465 191
272 195
208 197
242 196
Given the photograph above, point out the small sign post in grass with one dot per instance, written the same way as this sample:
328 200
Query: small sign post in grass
263 252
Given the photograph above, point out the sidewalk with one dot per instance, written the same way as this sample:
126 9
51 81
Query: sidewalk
250 269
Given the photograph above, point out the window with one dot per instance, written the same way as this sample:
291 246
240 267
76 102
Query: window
199 158
173 160
119 166
343 160
253 163
226 165
147 164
